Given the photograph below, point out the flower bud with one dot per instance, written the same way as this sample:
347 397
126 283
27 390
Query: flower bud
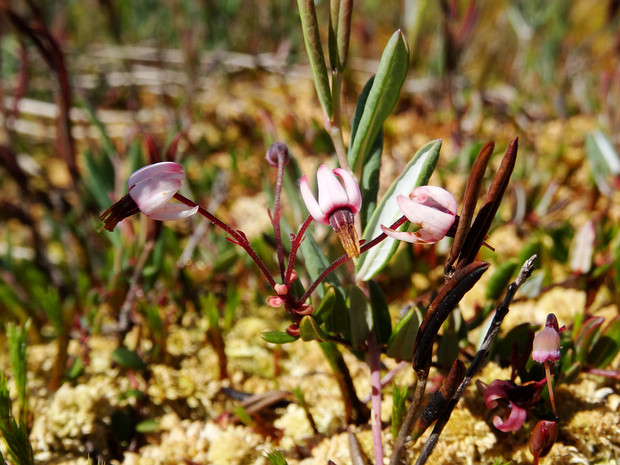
544 435
277 151
547 342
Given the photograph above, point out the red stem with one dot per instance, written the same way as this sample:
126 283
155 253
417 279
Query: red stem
238 238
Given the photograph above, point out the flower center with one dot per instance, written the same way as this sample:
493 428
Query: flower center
342 221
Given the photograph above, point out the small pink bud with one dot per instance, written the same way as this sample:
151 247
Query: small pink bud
277 151
281 289
547 342
275 301
430 207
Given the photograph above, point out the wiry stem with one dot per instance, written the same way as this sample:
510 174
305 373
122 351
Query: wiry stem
296 243
237 237
549 385
374 363
275 219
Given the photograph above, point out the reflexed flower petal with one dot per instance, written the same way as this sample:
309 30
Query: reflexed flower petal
156 170
413 237
331 193
152 194
498 389
352 189
514 422
173 211
311 204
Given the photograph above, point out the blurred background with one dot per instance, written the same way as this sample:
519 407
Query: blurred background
92 89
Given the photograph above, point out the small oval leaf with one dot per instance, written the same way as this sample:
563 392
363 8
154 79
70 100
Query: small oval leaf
128 359
277 337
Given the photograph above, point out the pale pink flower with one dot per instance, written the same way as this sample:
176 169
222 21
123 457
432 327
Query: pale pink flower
500 389
150 190
153 186
337 204
547 341
432 208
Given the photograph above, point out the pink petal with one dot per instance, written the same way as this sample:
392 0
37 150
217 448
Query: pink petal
435 194
546 345
311 203
513 422
414 238
498 389
352 189
331 193
435 223
152 194
154 171
173 211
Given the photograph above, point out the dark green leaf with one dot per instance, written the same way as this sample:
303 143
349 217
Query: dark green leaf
128 359
277 337
400 344
382 323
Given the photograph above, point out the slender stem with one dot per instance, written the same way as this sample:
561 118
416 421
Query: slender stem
549 385
374 363
412 412
294 248
344 258
275 219
237 237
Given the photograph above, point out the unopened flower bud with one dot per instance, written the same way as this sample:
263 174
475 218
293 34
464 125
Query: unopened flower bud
275 301
281 289
547 342
544 435
276 152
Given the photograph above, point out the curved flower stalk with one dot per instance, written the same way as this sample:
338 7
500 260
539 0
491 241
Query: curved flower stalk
430 207
546 350
337 205
150 190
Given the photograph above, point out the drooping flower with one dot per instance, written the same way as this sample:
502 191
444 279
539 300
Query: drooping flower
150 190
430 207
547 342
517 399
337 205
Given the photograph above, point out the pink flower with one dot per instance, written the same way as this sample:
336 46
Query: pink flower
499 389
337 204
517 398
547 342
150 190
153 186
430 207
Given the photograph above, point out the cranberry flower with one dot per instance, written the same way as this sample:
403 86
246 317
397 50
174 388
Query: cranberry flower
150 190
546 350
430 207
518 398
337 204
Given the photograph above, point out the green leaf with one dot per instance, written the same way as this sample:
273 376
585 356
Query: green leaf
312 39
369 179
500 279
588 333
338 320
400 344
309 330
147 426
275 457
315 262
382 97
603 158
416 173
382 323
326 306
606 347
277 337
128 359
360 315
